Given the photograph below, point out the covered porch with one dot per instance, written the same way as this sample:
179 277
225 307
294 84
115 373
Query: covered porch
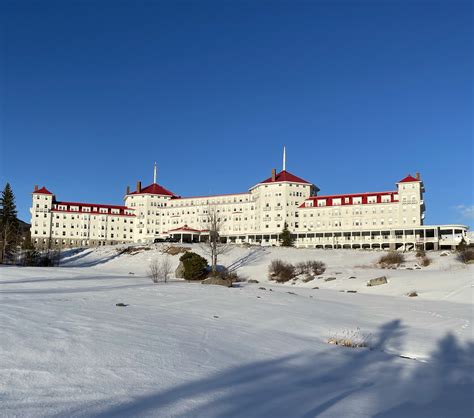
185 234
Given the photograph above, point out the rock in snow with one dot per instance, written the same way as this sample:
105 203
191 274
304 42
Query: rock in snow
179 272
218 281
377 281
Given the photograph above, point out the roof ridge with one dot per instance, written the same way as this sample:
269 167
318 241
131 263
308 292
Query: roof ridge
285 176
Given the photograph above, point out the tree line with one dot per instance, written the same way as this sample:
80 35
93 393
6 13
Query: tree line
15 237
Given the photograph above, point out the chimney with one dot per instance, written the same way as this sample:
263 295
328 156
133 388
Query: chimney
139 186
36 187
273 174
128 189
418 176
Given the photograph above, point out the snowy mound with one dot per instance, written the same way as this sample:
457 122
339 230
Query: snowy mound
348 270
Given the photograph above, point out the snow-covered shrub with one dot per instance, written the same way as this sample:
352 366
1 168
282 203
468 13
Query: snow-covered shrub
420 253
393 258
31 257
425 261
49 258
301 268
194 265
159 270
350 338
466 255
227 275
281 271
315 268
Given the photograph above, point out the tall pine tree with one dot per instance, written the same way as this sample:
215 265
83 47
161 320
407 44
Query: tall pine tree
286 239
9 228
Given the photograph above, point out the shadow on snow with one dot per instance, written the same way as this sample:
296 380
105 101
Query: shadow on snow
337 382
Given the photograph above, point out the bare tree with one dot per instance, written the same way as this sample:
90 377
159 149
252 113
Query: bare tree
9 236
214 246
160 270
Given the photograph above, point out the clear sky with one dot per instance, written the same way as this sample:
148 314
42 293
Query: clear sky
361 92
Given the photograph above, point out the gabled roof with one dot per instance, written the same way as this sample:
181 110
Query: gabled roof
43 190
408 179
283 176
155 189
184 228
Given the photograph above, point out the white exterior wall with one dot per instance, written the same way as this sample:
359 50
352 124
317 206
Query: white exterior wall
351 217
236 212
404 208
41 226
65 224
263 210
84 227
149 211
255 216
277 204
411 207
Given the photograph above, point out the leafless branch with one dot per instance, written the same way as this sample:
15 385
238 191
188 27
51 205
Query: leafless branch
214 246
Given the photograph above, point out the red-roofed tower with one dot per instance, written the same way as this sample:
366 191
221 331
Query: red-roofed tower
410 192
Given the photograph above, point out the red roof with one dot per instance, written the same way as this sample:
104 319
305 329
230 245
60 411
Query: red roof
43 190
364 196
98 205
408 179
154 189
185 228
122 210
213 195
285 176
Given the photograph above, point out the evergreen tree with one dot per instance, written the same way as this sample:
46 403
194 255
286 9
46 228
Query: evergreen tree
285 237
9 228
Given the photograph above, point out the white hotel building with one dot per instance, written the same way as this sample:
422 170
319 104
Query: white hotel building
376 220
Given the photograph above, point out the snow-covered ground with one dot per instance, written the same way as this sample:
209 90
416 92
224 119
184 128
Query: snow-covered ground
185 349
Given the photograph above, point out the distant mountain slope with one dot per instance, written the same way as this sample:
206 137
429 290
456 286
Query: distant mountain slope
24 227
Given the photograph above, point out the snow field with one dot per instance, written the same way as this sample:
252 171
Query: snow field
185 349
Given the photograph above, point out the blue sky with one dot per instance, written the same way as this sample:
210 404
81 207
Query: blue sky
361 92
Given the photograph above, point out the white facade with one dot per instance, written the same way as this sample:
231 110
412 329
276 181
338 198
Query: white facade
392 219
72 224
